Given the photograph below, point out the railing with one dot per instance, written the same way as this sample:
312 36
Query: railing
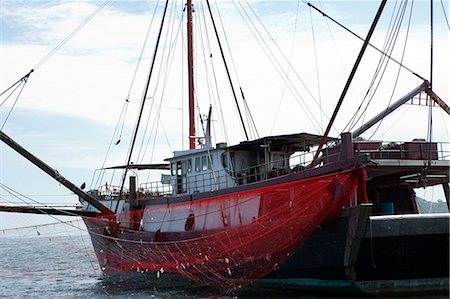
154 189
415 150
212 180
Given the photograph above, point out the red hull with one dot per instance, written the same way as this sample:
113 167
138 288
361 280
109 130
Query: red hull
238 252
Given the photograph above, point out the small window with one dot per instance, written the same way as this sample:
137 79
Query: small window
225 160
198 165
173 168
204 163
184 167
189 165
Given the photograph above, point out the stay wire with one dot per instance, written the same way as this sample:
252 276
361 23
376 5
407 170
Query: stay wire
11 93
17 82
16 85
270 55
278 48
281 72
230 81
387 47
430 110
213 87
399 69
383 62
217 99
122 117
67 38
14 104
130 151
206 50
19 196
317 67
250 121
445 15
283 91
362 39
163 71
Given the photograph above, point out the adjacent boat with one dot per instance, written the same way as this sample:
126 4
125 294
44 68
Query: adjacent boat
277 210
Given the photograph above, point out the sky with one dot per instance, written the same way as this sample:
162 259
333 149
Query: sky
72 102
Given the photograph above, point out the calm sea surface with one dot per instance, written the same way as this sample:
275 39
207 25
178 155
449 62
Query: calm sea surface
66 267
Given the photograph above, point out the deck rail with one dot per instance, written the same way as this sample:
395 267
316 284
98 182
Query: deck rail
212 179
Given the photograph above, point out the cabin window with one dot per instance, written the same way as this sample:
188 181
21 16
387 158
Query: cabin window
184 167
198 165
189 165
227 160
173 168
204 163
278 161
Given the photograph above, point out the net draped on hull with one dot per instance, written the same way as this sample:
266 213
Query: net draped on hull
235 254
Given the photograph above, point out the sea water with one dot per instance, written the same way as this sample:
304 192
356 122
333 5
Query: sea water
45 266
59 267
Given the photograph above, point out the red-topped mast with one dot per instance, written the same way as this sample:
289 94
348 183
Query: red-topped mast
190 76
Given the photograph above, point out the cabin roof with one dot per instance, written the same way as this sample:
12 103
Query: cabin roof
177 155
293 142
160 166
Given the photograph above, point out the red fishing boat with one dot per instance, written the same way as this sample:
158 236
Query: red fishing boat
302 210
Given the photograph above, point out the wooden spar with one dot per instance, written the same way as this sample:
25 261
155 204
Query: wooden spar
54 174
424 87
190 76
47 211
436 98
349 80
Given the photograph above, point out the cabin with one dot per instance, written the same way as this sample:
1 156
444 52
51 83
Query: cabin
214 168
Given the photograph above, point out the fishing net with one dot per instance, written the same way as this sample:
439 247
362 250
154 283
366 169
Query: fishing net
226 241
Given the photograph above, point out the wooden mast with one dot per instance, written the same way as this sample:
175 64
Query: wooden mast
190 76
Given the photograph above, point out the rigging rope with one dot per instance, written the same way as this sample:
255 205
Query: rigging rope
15 102
445 15
362 39
347 84
250 121
355 117
18 81
67 38
317 67
430 110
143 102
344 67
291 52
122 117
227 71
19 196
162 76
216 96
389 43
399 69
270 54
211 81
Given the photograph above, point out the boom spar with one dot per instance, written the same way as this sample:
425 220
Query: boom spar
54 174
